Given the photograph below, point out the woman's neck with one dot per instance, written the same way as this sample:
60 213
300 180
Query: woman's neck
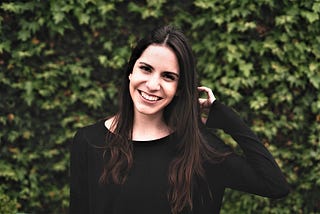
148 127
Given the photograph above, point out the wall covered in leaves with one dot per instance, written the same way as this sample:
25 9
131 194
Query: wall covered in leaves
60 62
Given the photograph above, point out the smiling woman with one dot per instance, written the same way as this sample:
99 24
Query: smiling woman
154 82
156 155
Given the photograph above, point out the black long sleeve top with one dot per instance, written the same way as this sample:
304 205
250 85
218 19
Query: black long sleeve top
145 190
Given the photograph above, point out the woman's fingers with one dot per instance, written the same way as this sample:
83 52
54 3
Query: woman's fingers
206 102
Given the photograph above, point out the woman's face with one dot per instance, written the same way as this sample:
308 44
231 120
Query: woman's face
154 80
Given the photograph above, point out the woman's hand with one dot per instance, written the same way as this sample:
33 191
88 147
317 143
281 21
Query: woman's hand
205 103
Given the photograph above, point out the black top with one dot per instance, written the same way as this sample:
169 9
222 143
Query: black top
145 190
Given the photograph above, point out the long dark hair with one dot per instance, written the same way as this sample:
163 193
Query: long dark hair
182 115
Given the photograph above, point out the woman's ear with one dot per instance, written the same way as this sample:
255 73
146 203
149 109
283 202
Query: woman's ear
129 76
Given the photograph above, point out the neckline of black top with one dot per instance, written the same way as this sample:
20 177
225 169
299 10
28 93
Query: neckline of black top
161 140
144 142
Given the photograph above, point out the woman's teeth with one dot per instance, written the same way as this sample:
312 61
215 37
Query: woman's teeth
149 97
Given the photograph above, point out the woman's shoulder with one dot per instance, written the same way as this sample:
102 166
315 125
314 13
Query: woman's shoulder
95 127
93 134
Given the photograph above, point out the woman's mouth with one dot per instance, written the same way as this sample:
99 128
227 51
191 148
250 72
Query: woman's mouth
149 97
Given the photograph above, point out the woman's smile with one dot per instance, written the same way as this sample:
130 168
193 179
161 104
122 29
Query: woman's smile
149 97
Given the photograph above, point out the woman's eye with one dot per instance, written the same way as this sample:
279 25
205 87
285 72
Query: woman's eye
145 68
169 76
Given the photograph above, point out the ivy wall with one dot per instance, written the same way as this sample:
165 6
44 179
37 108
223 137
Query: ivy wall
60 62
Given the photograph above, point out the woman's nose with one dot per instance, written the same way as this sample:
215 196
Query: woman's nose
153 83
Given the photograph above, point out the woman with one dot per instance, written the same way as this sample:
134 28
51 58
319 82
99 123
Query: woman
155 155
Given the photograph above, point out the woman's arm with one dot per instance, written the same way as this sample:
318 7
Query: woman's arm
257 172
79 175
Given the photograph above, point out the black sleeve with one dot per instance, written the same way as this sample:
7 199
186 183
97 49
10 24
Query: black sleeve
79 175
256 172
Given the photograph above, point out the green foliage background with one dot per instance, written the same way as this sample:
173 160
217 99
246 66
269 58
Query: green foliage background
60 64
